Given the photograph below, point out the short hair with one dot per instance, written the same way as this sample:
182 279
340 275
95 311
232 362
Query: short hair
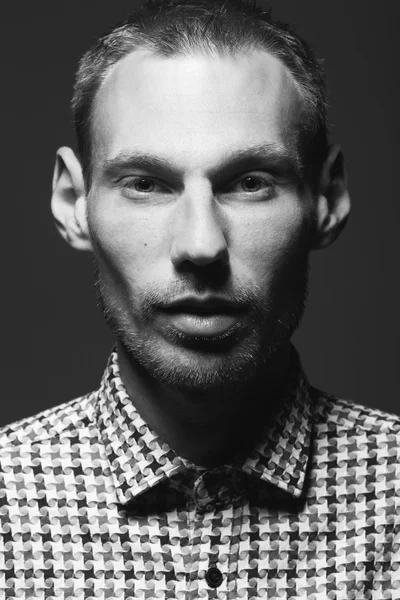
182 27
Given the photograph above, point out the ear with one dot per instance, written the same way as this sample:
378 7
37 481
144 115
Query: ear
68 202
333 200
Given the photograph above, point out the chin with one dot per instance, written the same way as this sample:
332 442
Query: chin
202 365
195 373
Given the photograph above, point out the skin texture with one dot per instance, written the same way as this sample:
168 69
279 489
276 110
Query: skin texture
172 212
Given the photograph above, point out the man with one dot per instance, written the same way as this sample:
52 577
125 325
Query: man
205 466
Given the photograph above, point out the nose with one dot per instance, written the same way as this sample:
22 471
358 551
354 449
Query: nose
198 230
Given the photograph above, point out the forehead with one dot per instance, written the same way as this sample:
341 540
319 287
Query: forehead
193 108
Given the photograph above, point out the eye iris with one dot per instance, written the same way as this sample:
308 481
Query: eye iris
144 185
251 184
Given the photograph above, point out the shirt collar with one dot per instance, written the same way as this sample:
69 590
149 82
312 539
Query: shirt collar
282 455
140 459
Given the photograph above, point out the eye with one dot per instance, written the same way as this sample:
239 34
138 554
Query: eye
252 183
143 184
259 185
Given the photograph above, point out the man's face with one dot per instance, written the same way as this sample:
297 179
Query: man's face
198 221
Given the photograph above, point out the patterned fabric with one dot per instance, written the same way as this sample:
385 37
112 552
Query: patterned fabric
93 504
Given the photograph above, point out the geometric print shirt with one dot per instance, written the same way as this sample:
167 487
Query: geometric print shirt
94 505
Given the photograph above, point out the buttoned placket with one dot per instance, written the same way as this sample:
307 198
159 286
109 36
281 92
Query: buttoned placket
214 535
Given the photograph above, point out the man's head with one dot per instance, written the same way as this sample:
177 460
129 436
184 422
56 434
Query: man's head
204 180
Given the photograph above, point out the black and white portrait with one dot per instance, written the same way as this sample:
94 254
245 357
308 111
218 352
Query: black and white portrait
200 301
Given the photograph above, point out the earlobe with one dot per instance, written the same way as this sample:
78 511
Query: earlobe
68 202
333 200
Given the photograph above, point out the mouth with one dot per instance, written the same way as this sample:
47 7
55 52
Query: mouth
198 318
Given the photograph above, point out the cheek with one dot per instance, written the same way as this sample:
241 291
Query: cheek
128 243
273 243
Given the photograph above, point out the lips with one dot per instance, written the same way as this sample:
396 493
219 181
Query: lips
201 325
202 306
202 318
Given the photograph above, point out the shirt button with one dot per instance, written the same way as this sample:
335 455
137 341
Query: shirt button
214 577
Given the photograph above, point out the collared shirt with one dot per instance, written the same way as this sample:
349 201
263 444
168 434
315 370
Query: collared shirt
93 504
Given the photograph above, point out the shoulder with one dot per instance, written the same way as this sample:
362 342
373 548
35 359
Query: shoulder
337 414
65 419
350 434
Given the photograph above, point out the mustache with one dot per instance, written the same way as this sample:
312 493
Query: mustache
244 297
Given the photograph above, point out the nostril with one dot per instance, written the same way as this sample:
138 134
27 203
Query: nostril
213 276
200 246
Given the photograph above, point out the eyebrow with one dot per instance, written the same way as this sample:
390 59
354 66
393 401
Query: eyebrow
281 160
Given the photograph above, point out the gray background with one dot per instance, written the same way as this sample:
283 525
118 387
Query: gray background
54 342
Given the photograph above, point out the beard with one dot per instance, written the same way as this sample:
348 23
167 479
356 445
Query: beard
199 365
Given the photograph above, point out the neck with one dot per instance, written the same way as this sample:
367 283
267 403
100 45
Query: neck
208 428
